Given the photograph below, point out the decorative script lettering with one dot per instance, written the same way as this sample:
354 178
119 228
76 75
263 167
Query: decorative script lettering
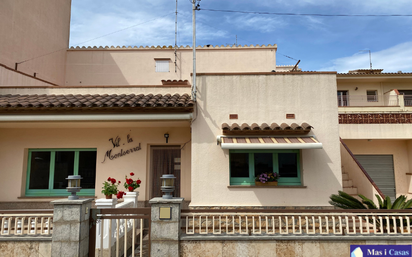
116 144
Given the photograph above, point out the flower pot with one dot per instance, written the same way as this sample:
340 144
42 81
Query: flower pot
108 196
273 183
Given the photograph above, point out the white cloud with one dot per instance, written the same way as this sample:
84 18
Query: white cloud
137 26
396 58
260 23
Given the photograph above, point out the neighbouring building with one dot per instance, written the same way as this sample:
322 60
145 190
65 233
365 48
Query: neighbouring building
375 122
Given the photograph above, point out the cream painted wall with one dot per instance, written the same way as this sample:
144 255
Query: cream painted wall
14 79
397 148
15 142
98 90
265 98
136 66
30 29
375 131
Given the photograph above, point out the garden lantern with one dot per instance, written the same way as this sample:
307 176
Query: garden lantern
168 185
73 186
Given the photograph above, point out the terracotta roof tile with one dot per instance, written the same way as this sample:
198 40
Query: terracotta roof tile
94 101
264 128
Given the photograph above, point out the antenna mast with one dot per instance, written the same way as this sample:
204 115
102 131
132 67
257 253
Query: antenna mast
370 59
195 8
176 40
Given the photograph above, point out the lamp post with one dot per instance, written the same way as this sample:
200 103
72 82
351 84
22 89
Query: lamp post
73 186
168 185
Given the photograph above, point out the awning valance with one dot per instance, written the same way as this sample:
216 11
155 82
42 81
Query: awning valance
268 143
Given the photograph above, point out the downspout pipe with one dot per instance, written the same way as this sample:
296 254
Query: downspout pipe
194 50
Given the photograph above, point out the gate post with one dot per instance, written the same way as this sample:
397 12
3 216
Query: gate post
165 226
71 227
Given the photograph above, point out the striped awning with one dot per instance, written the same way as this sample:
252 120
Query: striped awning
291 142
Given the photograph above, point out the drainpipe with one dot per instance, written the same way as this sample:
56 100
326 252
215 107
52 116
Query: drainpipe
194 50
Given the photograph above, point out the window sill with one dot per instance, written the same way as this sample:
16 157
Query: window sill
267 186
54 197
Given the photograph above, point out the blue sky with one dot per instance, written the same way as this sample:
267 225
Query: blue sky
321 43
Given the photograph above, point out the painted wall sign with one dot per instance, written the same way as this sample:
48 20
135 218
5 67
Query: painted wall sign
125 149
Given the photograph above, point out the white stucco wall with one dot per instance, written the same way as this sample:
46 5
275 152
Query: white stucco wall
375 131
36 31
265 98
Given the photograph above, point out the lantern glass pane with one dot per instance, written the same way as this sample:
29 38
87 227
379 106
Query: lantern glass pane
169 181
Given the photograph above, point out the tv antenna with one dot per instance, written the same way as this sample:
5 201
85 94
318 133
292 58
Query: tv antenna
370 57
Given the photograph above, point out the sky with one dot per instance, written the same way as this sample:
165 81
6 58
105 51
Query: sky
321 43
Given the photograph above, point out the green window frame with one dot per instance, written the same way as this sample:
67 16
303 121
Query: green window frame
250 180
51 191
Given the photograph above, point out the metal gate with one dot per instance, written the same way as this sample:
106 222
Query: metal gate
380 169
119 232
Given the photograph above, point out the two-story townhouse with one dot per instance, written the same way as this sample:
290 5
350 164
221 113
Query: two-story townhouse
109 111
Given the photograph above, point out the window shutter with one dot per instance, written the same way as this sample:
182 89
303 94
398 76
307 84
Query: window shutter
162 66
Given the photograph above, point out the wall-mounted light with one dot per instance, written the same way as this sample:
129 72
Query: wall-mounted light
73 186
167 137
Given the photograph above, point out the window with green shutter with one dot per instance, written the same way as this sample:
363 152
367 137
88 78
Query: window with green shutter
47 170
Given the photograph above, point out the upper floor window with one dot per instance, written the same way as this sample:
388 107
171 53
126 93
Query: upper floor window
162 65
372 95
47 170
343 98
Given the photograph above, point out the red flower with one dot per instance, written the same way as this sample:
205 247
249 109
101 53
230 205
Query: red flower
131 174
129 181
120 194
138 181
113 180
118 182
131 188
109 179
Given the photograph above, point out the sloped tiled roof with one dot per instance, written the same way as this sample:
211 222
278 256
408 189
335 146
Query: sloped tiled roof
95 102
264 128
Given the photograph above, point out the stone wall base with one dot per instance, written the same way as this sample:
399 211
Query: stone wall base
25 248
276 248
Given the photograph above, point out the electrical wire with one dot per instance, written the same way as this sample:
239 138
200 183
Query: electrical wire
111 33
310 14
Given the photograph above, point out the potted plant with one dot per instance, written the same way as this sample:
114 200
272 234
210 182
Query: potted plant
267 179
110 187
131 184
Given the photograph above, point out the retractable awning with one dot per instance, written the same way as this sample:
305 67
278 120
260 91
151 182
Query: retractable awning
269 142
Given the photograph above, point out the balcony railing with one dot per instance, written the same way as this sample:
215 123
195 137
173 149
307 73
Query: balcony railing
26 223
278 223
369 100
407 100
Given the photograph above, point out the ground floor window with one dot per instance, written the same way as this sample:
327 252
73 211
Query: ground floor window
47 170
245 165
